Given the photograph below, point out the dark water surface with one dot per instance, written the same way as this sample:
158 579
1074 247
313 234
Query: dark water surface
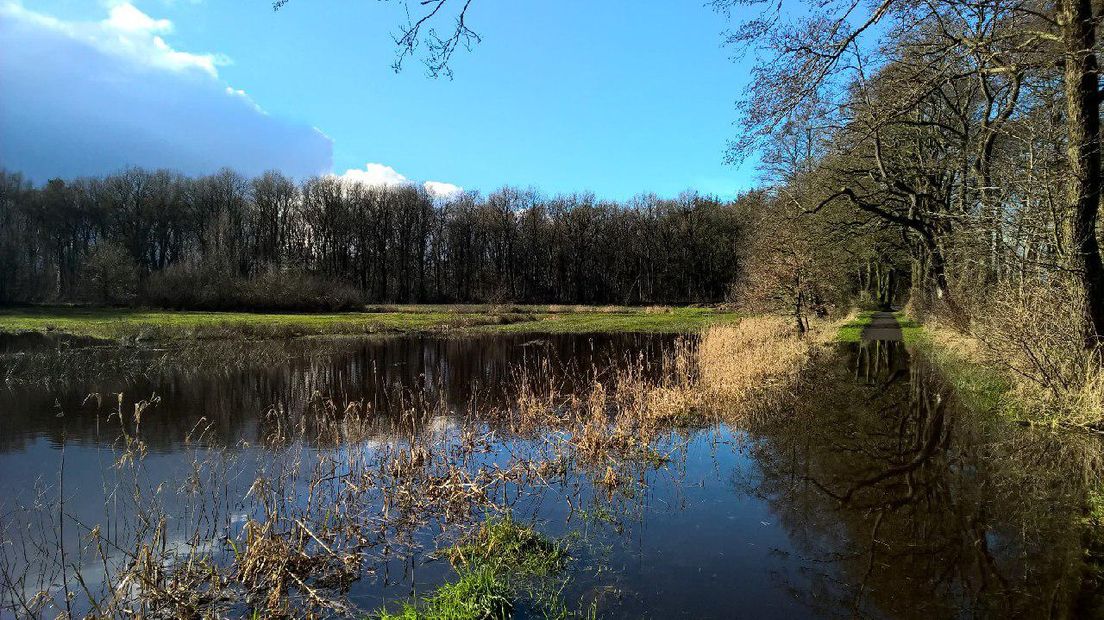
875 495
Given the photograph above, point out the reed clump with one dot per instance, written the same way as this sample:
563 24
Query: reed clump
730 371
758 361
617 421
274 562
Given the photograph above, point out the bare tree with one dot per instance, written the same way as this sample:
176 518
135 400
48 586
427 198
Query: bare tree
420 30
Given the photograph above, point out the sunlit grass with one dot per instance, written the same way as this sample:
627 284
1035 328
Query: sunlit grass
480 594
116 323
509 545
665 320
852 330
493 564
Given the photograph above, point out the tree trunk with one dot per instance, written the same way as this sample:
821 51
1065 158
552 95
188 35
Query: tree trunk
937 270
1083 126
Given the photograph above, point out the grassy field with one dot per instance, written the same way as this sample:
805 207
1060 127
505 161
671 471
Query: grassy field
124 323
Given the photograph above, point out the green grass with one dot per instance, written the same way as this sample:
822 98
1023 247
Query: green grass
480 594
978 387
911 330
852 330
669 320
160 325
496 564
505 544
1093 540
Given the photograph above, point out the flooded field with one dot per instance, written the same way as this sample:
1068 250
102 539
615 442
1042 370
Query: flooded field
348 478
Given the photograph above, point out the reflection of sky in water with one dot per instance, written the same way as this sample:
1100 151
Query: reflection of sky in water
737 524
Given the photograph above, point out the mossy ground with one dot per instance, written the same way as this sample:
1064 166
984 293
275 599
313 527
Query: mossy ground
160 325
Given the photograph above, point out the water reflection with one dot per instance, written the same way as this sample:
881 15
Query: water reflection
874 494
904 505
233 387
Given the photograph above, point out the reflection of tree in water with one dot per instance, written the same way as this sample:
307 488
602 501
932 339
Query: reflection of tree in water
235 387
903 504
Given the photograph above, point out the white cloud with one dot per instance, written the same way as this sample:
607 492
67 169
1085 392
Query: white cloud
126 33
375 174
90 97
128 18
244 96
380 174
437 189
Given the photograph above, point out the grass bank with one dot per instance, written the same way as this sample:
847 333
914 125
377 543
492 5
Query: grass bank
852 328
979 385
989 375
160 325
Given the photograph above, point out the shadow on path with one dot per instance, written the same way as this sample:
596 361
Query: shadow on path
883 326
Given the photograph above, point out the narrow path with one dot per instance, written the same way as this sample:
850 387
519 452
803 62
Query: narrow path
883 326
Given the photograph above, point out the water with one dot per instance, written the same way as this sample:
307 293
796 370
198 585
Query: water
874 494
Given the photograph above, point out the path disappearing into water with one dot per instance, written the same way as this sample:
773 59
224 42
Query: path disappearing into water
883 326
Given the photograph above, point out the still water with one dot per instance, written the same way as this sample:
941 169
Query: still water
873 494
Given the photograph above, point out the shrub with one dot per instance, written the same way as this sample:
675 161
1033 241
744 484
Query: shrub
110 275
209 287
1034 332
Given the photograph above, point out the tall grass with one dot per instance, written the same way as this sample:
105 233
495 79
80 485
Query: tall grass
1032 337
759 359
728 372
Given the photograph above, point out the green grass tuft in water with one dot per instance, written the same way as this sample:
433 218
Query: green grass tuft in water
496 564
479 594
505 544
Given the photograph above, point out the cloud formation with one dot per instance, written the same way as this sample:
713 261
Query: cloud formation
379 174
442 190
88 98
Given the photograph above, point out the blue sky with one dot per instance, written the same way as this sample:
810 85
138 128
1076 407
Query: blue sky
617 97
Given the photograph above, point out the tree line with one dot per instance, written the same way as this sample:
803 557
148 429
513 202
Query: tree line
947 152
966 133
949 147
225 241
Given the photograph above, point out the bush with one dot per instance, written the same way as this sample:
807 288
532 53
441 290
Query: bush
110 275
208 287
1034 331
